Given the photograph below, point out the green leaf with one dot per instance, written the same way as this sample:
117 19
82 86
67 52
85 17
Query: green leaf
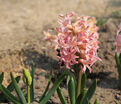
96 102
1 77
18 90
7 93
120 57
83 85
119 67
32 84
53 89
50 78
61 96
71 89
88 102
78 100
68 79
90 93
10 88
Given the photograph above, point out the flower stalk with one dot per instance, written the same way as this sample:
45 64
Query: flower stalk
79 83
28 94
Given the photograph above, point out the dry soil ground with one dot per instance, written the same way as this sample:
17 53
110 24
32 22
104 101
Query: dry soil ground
22 23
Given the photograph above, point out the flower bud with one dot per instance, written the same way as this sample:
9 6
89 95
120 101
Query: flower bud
27 77
29 80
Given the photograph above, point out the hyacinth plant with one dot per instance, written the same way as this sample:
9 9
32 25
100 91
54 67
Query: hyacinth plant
76 45
118 52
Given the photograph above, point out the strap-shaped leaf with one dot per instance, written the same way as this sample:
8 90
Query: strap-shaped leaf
83 85
50 78
18 90
10 88
32 84
71 89
90 93
78 100
96 102
7 93
1 77
61 96
119 67
54 88
68 79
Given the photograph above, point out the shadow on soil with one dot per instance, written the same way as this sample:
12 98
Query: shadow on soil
40 60
104 80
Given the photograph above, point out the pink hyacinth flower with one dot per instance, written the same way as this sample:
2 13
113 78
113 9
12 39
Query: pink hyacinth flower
118 40
77 40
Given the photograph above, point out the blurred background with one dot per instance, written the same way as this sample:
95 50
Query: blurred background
22 20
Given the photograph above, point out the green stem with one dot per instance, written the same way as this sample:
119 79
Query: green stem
28 93
79 83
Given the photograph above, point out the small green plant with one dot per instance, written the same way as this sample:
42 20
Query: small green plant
116 14
102 21
28 76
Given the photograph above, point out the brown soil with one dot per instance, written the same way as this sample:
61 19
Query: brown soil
21 30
